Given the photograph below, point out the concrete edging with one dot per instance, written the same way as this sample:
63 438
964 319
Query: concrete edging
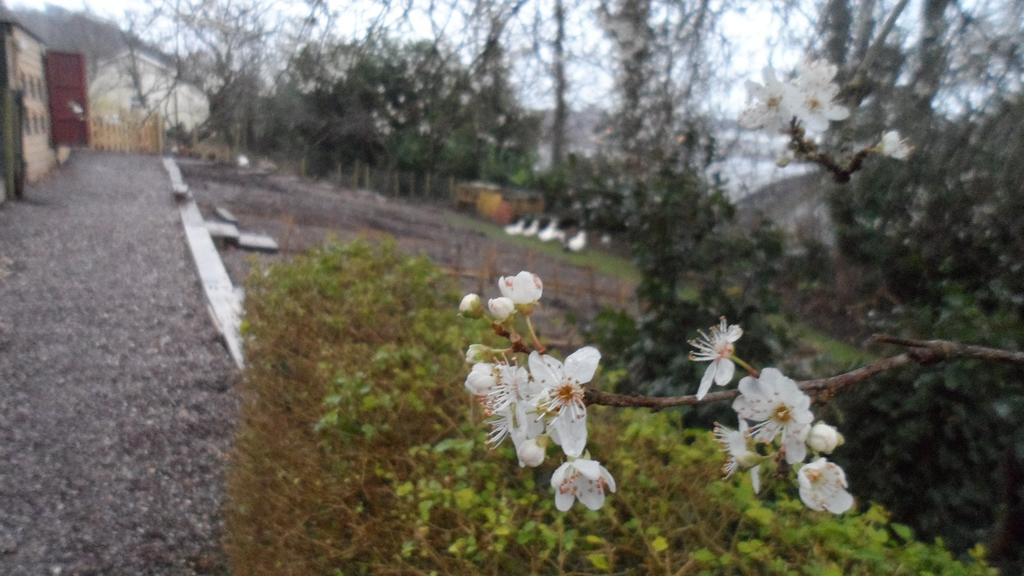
224 302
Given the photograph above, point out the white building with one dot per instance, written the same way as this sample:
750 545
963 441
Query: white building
144 81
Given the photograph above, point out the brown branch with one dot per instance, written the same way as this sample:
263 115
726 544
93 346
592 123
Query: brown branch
921 352
805 149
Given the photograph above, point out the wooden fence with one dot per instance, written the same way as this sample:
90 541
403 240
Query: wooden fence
396 183
127 133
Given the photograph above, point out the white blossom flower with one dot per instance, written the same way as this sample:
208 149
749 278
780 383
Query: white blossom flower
824 438
716 348
893 146
471 307
562 395
815 96
531 453
510 402
736 443
823 487
584 479
482 378
772 103
501 308
777 404
524 288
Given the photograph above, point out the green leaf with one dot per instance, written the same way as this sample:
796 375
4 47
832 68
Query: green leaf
902 530
599 561
659 544
465 498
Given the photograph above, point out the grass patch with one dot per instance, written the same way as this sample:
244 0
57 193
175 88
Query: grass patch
607 264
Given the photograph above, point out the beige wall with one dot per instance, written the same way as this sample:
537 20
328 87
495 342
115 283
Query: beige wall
111 92
25 63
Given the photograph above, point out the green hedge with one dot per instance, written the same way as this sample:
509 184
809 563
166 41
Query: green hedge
360 453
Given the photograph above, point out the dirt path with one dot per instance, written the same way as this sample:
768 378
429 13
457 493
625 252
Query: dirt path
115 403
302 214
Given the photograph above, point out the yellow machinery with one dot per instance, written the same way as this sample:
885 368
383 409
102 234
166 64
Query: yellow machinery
496 203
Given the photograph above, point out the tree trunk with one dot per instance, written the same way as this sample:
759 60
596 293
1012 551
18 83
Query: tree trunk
558 122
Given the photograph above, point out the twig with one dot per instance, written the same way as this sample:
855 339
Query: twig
806 149
921 352
856 88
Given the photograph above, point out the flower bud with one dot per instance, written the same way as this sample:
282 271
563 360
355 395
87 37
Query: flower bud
471 307
784 159
501 308
824 438
894 146
531 453
478 353
481 379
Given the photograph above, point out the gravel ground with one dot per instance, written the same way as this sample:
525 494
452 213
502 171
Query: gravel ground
116 408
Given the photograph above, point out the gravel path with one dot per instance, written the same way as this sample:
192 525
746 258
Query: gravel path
116 409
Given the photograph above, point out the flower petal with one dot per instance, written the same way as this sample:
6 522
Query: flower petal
608 479
726 370
707 379
559 474
573 434
591 495
581 364
796 449
839 502
545 370
755 478
564 500
590 469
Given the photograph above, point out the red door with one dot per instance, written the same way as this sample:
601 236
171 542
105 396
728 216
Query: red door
69 104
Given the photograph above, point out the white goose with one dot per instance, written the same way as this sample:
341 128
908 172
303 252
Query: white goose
577 242
532 229
515 228
551 232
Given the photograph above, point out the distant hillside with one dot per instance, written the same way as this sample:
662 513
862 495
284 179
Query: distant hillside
797 204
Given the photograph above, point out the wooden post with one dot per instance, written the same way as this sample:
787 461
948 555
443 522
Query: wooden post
159 134
355 175
367 180
289 224
426 187
592 285
458 262
488 271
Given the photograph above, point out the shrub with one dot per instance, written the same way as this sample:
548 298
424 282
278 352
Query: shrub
359 452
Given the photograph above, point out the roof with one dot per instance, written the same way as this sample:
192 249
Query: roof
145 53
8 19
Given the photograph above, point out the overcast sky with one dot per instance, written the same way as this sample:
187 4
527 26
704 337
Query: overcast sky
749 33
